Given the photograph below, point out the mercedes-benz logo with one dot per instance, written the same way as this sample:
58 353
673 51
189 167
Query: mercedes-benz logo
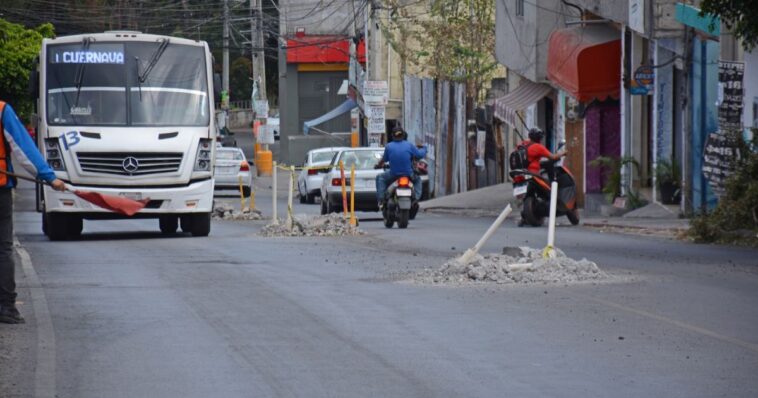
130 164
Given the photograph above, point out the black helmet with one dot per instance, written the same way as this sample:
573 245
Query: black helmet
398 133
536 134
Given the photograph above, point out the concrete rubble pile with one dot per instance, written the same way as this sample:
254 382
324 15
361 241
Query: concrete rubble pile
302 225
227 212
517 265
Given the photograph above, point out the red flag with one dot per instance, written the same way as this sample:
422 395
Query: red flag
118 204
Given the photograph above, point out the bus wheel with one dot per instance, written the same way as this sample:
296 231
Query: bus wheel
168 224
61 226
201 224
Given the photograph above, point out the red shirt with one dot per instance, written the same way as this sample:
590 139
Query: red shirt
534 153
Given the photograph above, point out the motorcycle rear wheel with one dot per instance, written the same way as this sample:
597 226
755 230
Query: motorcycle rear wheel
402 218
530 211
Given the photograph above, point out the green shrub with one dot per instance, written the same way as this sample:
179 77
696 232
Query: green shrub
735 218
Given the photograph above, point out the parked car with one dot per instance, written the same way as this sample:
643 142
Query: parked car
314 168
364 160
274 121
231 165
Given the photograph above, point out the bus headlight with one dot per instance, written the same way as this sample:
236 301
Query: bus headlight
203 158
53 154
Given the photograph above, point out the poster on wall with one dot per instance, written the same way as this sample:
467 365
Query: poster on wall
731 93
719 155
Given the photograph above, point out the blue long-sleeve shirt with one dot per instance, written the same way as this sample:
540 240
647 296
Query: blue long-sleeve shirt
23 151
400 154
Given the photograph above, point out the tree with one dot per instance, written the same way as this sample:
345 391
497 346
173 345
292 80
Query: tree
741 16
18 49
453 39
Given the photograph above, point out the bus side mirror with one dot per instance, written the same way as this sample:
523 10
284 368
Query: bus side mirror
217 87
33 89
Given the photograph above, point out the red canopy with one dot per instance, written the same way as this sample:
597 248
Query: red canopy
586 61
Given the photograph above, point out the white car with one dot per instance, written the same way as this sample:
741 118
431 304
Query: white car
231 166
364 160
314 168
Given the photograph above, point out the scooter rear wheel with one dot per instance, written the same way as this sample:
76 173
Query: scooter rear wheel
530 211
573 216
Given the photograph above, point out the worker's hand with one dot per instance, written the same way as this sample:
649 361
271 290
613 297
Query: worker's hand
58 185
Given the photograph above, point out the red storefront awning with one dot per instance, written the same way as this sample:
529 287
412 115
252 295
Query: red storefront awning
586 61
322 49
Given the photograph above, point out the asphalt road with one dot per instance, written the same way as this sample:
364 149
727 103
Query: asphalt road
133 313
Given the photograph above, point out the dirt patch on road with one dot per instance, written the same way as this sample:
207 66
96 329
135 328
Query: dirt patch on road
521 265
328 225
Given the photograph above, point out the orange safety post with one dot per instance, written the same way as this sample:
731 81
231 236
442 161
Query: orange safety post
265 164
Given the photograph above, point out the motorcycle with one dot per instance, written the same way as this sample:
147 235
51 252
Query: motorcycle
535 190
398 202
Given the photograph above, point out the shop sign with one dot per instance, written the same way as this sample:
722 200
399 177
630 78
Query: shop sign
731 93
644 78
719 155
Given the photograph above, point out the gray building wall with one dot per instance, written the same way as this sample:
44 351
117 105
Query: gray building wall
615 10
521 41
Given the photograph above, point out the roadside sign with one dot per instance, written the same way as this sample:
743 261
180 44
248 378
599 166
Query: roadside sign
376 119
261 109
376 92
266 134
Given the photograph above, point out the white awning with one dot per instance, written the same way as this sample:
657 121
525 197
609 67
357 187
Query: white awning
519 99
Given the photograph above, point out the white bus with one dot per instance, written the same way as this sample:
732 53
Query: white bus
131 114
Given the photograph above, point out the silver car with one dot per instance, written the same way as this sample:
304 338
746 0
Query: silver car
314 168
231 166
364 160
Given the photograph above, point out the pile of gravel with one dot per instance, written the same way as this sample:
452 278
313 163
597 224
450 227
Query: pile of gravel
227 212
512 267
327 225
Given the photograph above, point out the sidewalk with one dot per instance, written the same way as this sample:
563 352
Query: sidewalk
653 219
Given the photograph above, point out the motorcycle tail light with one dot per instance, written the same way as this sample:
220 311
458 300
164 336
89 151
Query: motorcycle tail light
403 182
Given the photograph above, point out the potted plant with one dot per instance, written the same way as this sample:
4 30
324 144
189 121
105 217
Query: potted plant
611 167
668 179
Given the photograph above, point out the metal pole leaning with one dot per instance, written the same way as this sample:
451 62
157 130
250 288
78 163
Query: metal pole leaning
548 252
353 220
344 193
470 253
274 219
291 189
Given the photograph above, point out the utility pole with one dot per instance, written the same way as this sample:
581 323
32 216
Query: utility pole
258 56
225 72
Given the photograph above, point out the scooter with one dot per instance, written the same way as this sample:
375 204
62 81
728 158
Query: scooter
535 190
398 202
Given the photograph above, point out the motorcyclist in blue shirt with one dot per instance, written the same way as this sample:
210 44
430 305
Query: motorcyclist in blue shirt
400 154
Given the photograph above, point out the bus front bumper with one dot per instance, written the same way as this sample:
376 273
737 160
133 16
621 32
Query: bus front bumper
194 198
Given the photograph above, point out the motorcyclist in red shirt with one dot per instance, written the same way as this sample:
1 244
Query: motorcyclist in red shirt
535 151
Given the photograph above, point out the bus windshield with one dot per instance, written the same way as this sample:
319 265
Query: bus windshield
114 84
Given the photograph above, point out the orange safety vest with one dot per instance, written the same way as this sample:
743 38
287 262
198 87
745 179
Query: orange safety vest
3 149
